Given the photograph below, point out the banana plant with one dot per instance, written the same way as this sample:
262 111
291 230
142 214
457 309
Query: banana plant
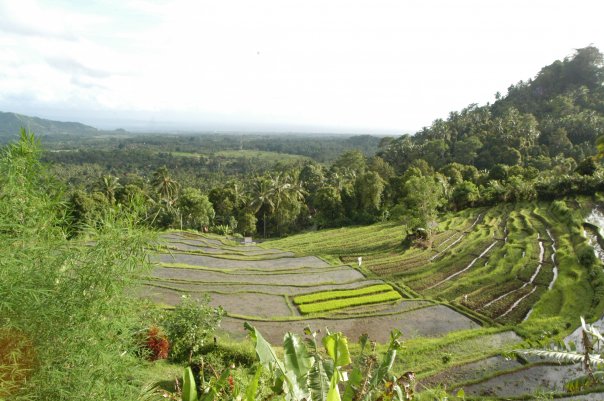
306 375
590 357
216 389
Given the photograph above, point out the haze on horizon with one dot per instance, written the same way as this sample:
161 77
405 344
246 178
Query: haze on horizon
339 66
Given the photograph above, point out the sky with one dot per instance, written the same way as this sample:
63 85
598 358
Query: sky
277 65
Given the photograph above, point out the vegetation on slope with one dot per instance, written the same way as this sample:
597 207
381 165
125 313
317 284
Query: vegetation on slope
63 303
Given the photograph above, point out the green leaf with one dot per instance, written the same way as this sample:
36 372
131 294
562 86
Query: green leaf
363 341
265 352
277 386
334 391
252 388
600 147
216 388
296 356
398 393
336 346
189 389
354 380
356 376
388 360
318 381
297 364
461 394
384 367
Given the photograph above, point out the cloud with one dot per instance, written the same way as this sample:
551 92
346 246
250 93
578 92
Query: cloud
382 63
31 19
75 68
17 28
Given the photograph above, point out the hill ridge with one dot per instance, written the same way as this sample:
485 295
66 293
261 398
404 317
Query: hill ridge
11 123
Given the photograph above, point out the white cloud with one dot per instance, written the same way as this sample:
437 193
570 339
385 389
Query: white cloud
382 64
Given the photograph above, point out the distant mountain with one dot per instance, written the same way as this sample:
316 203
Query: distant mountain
11 123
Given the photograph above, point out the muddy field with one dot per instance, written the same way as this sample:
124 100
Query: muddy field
208 261
471 371
429 321
261 288
526 381
323 277
242 303
285 289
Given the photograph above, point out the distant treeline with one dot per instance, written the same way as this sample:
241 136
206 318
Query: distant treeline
537 142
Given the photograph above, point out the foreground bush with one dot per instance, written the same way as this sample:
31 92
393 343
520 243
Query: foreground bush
190 325
65 298
307 373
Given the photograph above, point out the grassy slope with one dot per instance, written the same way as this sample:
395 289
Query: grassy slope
507 266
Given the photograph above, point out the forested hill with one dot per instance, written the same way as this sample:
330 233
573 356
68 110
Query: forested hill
540 123
11 123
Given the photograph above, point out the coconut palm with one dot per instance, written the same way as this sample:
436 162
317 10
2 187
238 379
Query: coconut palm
166 186
109 185
263 198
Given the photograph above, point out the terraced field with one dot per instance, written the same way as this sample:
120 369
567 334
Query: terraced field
280 291
489 277
514 265
501 263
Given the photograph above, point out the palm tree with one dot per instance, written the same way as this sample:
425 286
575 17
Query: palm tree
166 187
109 185
263 198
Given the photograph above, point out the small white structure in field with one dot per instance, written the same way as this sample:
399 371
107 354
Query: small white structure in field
360 259
248 241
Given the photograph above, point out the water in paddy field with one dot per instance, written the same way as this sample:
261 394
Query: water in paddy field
596 218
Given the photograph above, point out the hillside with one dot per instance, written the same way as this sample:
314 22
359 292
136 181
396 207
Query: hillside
540 123
525 268
11 123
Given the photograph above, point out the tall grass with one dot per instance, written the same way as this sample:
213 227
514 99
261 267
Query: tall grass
66 298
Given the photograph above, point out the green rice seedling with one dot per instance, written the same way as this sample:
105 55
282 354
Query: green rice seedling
338 294
334 304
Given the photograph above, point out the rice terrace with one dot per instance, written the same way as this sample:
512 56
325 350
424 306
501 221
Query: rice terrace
490 276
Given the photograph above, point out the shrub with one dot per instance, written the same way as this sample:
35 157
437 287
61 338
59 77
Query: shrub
189 326
586 256
69 318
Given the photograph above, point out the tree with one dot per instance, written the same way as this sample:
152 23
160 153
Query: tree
195 209
246 223
382 167
109 185
262 199
165 186
464 195
353 160
423 196
288 198
330 212
587 167
368 190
